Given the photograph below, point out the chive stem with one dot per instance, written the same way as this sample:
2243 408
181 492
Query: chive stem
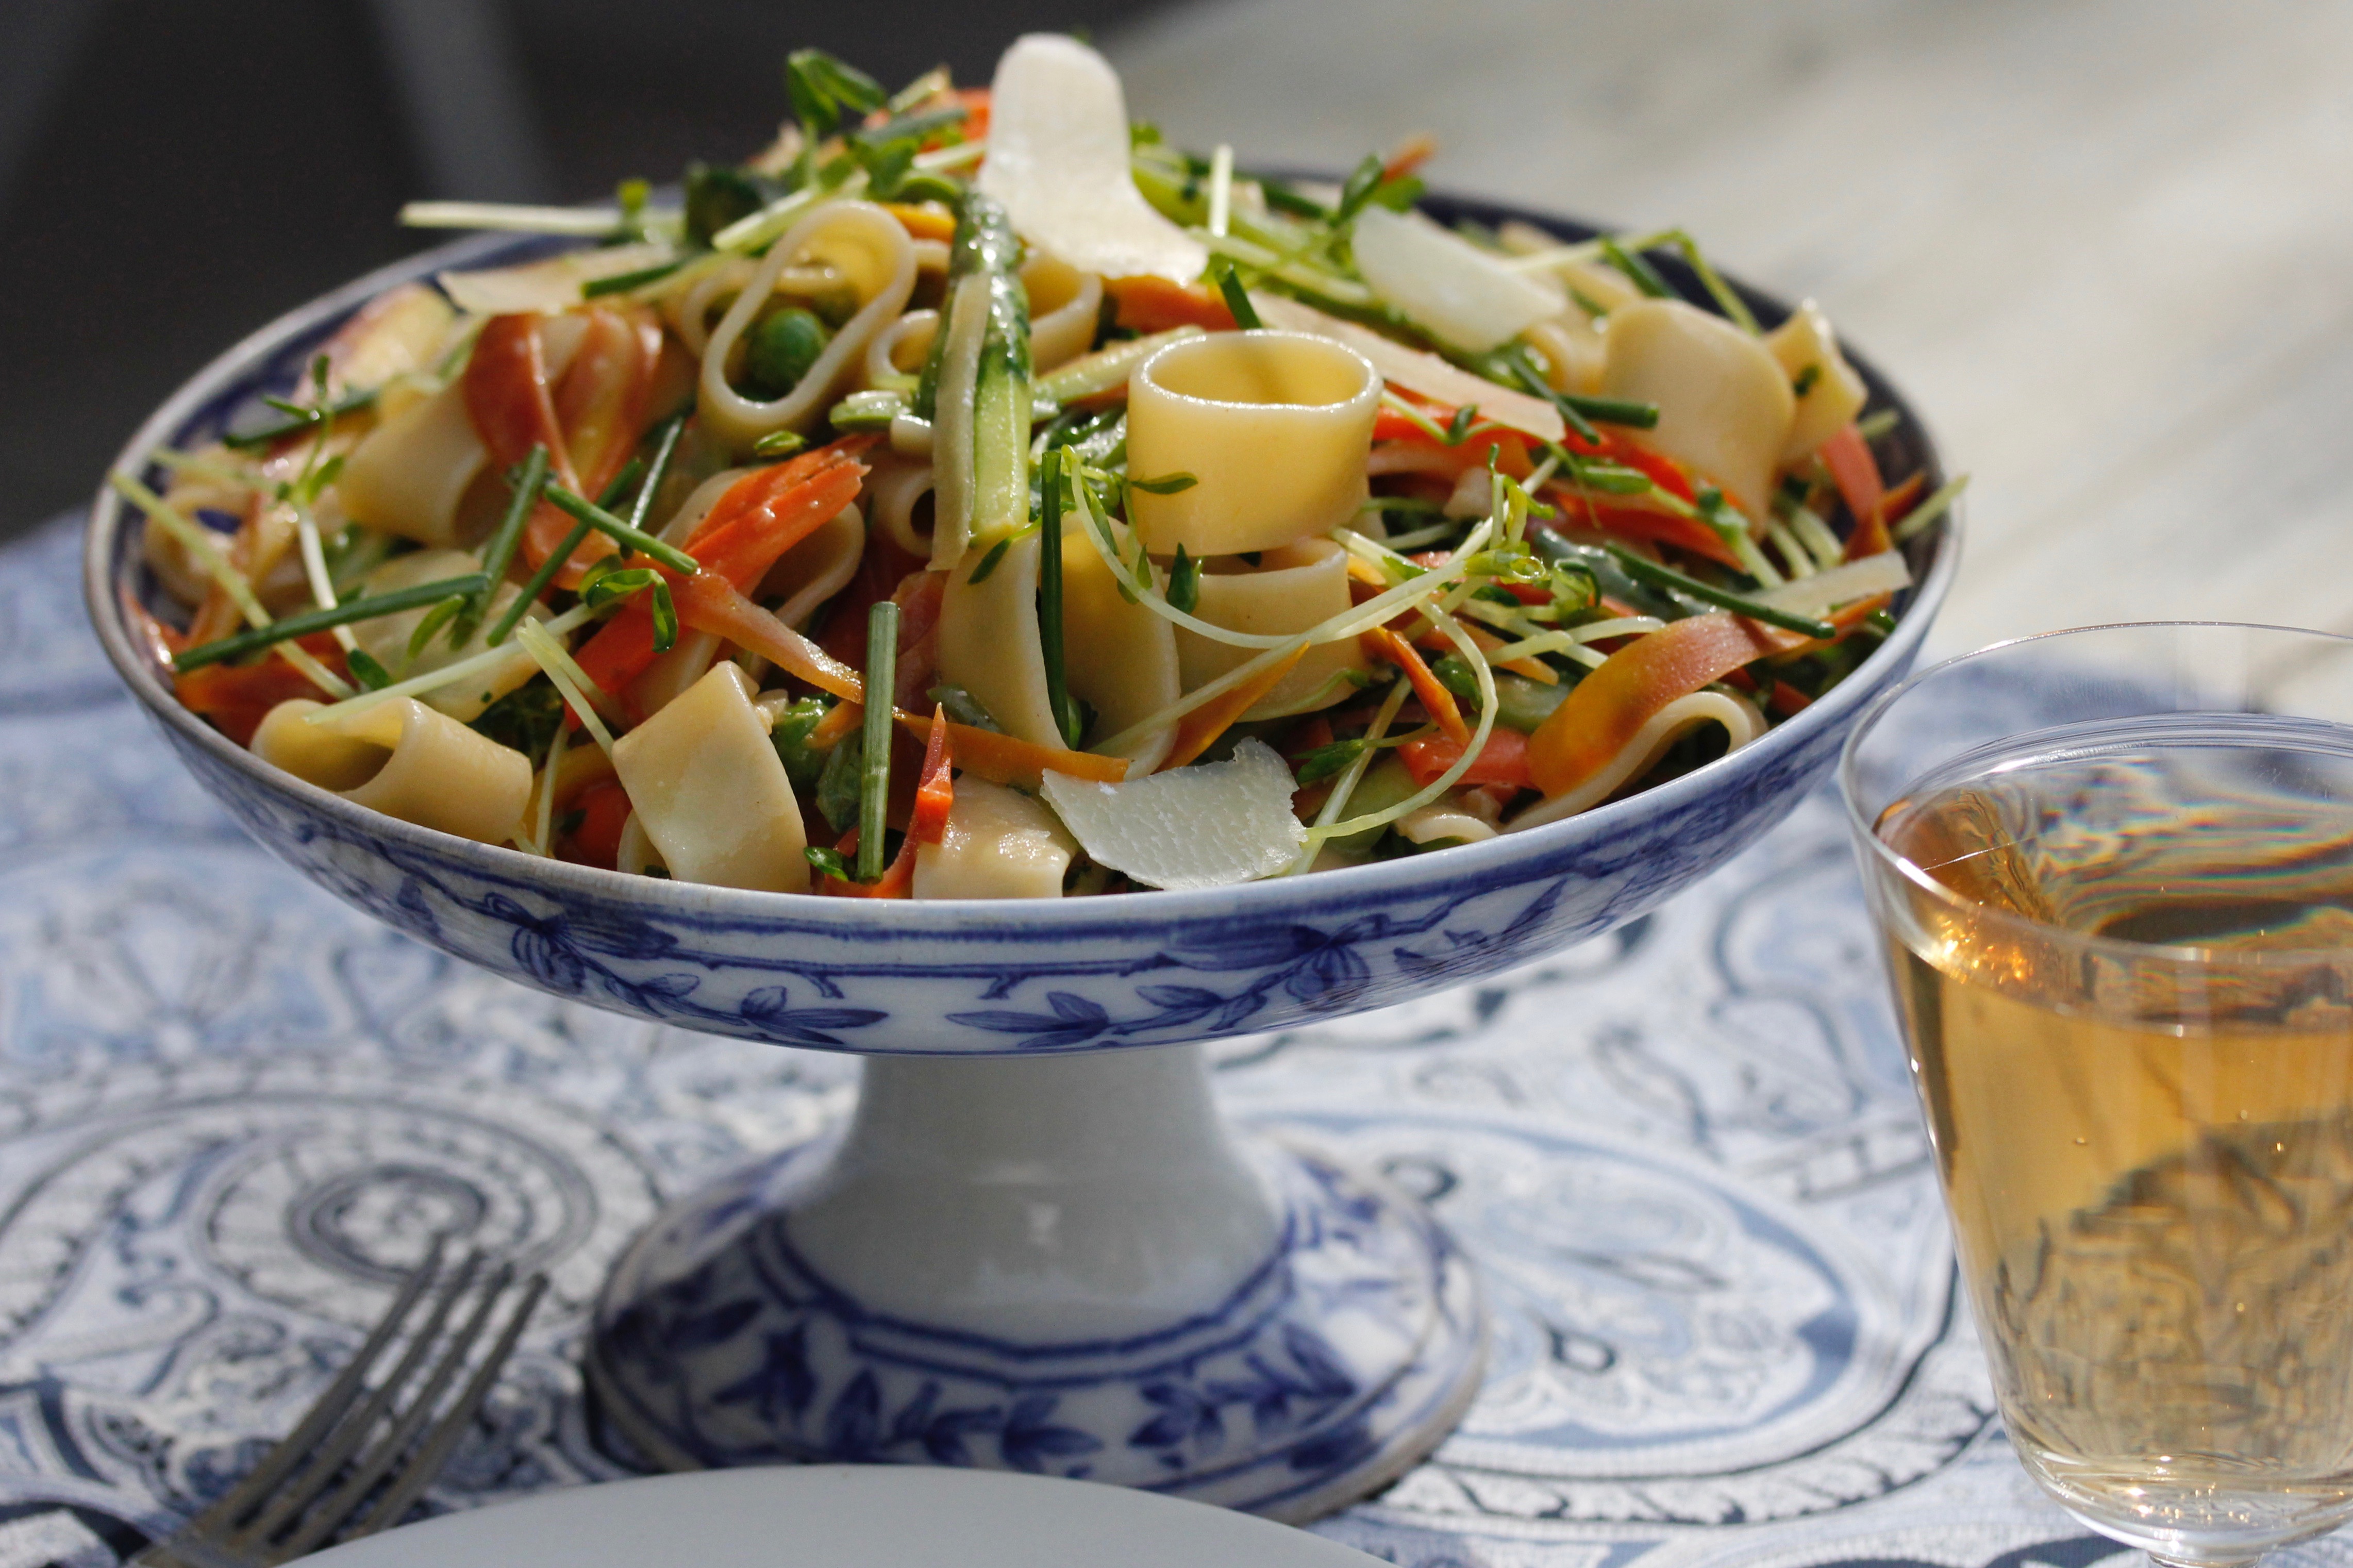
583 510
499 554
295 424
665 449
874 791
1050 596
1637 269
530 591
622 283
1644 569
342 614
1238 300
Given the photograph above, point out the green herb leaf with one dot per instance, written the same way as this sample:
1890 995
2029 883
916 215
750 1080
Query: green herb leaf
980 573
1184 581
1327 762
717 195
1362 181
1804 380
828 861
366 668
964 707
1229 284
525 719
1165 485
804 764
826 93
439 615
1458 429
837 788
665 618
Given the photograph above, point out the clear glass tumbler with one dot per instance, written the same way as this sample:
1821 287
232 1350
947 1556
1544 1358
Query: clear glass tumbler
2114 869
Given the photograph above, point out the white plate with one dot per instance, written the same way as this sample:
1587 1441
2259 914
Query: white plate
846 1516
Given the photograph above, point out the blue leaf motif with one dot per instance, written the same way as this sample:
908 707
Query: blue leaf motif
692 1331
618 935
782 1384
769 1008
1073 1022
1250 949
1325 1373
855 1421
1029 1440
1331 978
1332 1450
943 1437
1184 1415
908 1423
553 965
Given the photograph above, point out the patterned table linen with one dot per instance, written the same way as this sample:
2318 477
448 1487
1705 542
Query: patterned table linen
231 1109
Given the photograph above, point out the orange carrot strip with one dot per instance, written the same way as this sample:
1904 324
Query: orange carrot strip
1603 711
922 222
1856 471
768 513
937 792
1503 759
1010 759
1443 709
710 604
1149 304
1213 718
839 719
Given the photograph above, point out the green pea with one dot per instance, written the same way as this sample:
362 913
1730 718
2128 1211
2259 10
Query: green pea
780 349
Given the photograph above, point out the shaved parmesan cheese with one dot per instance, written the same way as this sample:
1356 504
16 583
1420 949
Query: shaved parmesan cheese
1058 161
1446 284
549 285
1205 827
1415 370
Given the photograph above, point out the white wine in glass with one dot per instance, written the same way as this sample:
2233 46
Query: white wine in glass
2114 868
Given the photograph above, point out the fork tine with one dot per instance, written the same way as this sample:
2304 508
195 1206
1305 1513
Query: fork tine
335 1506
324 1411
314 1478
435 1451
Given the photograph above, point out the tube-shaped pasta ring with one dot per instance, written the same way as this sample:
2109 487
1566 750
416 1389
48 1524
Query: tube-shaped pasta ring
870 249
911 332
1274 427
1065 308
404 759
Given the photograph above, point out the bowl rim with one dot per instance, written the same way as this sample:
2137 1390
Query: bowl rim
1505 860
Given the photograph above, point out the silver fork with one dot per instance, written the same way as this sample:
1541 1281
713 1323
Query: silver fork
313 1485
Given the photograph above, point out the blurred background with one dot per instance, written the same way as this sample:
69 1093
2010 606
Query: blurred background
2104 243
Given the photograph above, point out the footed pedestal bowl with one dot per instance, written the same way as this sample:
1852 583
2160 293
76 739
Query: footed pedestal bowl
1035 1244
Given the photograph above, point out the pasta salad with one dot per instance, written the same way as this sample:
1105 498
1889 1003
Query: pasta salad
974 496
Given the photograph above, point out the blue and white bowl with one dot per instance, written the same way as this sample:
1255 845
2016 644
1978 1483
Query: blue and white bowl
1012 977
888 1292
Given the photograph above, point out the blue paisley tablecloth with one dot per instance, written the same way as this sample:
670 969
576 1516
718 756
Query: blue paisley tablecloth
1687 1158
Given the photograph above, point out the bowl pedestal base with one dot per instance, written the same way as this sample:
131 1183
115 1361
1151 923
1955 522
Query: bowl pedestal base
1063 1264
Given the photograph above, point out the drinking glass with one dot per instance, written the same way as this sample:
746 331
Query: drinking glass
2113 870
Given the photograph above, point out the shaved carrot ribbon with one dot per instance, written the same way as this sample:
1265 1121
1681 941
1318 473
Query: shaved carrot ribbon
1503 759
1443 709
761 515
1856 472
1203 725
709 604
936 792
1150 304
1606 710
588 424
